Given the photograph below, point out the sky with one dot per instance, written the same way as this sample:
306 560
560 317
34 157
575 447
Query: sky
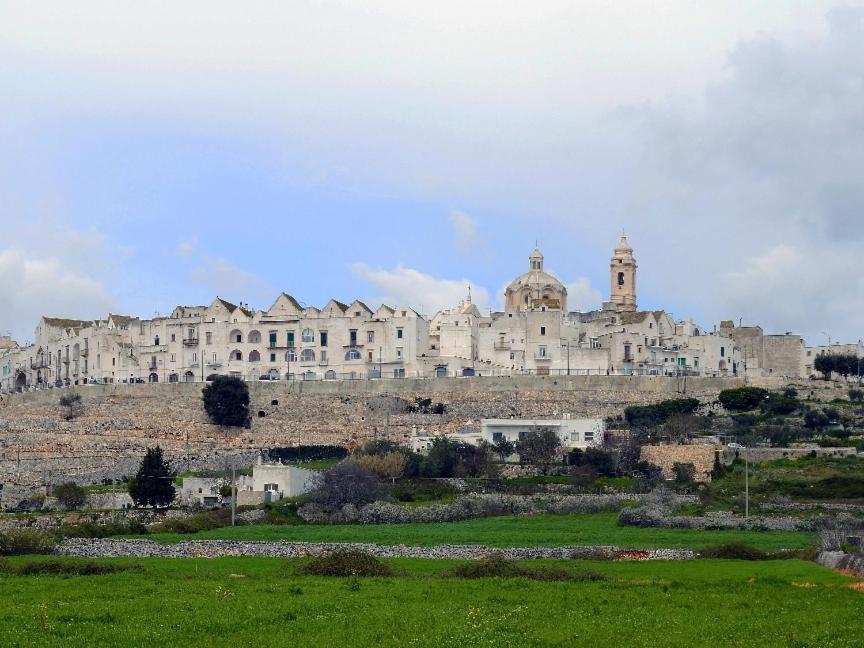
156 153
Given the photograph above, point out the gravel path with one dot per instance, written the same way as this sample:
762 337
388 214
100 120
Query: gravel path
107 548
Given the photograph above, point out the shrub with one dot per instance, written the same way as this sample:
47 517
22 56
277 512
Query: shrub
684 472
347 483
72 405
777 404
856 395
539 447
226 401
390 466
154 483
203 521
649 416
815 419
307 453
742 399
22 543
90 530
499 567
70 495
733 551
350 562
64 568
601 461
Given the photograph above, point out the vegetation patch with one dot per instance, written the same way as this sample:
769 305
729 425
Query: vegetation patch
499 567
66 567
22 543
348 563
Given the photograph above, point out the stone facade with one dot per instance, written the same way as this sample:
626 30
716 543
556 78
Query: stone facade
666 456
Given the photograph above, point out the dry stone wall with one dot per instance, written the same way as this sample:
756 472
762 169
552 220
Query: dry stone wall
38 446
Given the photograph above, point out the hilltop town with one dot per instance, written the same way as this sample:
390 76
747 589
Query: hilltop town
536 334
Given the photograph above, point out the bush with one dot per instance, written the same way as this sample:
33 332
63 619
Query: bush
226 401
777 404
390 466
307 453
733 551
23 543
499 567
70 495
601 461
856 395
684 472
742 399
72 405
350 562
650 416
815 419
110 529
64 568
539 447
203 521
347 483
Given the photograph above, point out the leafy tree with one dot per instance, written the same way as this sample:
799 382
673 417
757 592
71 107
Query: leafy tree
779 404
504 448
539 447
815 419
824 364
72 405
601 461
475 460
742 399
646 417
441 460
648 471
348 483
226 401
70 495
684 472
154 483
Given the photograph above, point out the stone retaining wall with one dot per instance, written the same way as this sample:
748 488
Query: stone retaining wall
37 446
98 548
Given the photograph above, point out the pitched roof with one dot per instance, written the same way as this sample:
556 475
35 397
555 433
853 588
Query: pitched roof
62 322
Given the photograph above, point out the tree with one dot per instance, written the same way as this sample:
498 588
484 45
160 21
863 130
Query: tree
856 395
815 419
347 483
684 472
504 448
742 399
824 364
72 405
601 461
539 447
153 485
226 401
441 460
387 466
70 495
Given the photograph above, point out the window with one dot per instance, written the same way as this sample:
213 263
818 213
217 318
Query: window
269 488
214 357
273 339
574 436
209 337
399 353
399 334
307 355
173 338
291 355
542 330
194 357
237 355
272 357
254 356
353 354
238 337
722 352
589 437
497 436
370 337
541 352
290 339
620 279
254 337
399 373
323 338
323 356
353 337
308 336
173 357
155 342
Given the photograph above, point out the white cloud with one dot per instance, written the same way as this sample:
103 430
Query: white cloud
582 296
422 291
229 281
32 286
185 249
465 231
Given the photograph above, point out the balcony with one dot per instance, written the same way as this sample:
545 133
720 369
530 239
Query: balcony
503 345
38 364
154 348
542 357
190 342
323 362
84 352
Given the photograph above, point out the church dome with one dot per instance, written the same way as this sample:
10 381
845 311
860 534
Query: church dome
536 289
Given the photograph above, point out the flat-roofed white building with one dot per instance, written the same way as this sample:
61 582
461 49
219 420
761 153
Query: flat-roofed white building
573 432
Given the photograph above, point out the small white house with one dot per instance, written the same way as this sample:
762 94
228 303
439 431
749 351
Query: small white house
574 433
271 482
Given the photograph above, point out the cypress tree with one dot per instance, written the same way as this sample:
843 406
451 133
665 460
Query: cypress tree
154 483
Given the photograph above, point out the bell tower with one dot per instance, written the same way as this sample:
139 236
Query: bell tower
623 277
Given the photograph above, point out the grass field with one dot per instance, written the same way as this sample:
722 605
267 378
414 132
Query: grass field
544 530
262 602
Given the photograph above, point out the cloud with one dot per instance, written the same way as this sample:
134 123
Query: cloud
465 231
582 296
227 280
32 286
422 291
185 249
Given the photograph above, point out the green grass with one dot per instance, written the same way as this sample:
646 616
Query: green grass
247 601
541 530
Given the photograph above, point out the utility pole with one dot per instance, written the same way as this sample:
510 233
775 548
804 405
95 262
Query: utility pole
233 492
746 483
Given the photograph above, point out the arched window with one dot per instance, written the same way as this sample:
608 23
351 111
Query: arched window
236 337
620 278
330 375
309 375
254 356
353 354
154 378
173 378
254 337
189 377
307 355
308 336
237 355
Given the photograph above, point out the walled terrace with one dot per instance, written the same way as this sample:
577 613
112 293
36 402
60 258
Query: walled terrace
37 446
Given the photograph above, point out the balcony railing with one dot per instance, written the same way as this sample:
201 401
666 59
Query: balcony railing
503 346
538 356
190 342
154 348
